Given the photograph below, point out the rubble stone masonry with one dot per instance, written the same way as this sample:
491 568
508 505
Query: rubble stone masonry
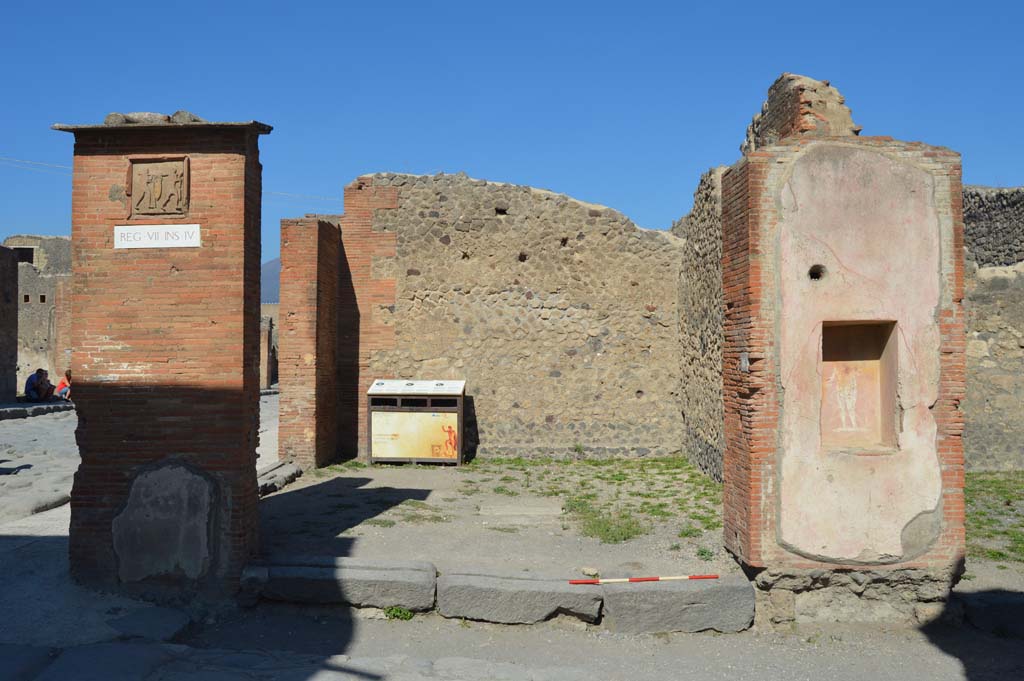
562 316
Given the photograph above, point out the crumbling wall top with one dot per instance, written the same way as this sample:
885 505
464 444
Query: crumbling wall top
798 105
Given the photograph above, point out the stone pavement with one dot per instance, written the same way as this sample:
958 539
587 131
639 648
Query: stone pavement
39 457
52 629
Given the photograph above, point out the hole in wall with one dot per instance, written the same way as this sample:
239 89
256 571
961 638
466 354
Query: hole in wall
523 257
816 273
565 241
26 298
499 210
42 298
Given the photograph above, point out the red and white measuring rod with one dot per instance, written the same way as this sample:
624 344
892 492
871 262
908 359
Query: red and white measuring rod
630 580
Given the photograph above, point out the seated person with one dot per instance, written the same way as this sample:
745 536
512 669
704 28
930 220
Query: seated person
38 387
64 387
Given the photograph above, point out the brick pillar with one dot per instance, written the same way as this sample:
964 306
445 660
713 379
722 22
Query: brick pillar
311 270
363 332
843 370
8 324
165 353
266 351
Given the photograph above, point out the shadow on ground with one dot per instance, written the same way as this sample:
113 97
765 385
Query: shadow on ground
322 512
990 641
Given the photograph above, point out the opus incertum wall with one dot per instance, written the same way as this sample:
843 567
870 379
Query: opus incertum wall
843 372
165 302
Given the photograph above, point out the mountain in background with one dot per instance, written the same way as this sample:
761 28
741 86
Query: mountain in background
270 281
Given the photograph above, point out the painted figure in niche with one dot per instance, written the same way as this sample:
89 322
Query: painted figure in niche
843 384
451 445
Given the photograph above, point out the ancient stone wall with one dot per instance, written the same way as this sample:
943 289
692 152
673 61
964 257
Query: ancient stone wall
994 225
562 316
700 318
994 430
46 262
799 106
8 324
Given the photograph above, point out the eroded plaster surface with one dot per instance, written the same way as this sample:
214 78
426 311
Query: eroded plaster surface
870 221
164 527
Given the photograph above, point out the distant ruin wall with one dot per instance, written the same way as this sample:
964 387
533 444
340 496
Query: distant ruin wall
38 322
562 316
8 324
700 314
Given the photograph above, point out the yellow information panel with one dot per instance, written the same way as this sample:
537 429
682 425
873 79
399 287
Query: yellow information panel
415 435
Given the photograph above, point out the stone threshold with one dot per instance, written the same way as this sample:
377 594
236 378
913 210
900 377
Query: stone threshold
725 605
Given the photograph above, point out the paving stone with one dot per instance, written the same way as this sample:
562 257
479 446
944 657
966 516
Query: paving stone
363 583
725 605
107 662
514 599
21 663
155 624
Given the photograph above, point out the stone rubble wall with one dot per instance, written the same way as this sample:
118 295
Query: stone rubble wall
700 312
994 430
562 316
994 224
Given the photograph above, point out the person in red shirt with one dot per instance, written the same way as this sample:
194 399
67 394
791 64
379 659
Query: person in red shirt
64 387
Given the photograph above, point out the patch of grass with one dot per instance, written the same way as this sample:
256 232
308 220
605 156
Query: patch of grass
610 527
995 515
674 547
397 612
380 522
501 489
689 531
704 553
507 530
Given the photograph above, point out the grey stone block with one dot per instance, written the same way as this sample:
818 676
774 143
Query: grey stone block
725 605
362 583
514 599
154 624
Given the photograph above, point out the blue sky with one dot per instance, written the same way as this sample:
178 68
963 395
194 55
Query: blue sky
623 104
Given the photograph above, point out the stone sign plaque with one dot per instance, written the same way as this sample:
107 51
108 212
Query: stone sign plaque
159 187
157 236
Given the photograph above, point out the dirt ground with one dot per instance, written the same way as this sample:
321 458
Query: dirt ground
563 518
550 518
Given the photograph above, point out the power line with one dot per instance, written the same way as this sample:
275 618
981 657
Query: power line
34 163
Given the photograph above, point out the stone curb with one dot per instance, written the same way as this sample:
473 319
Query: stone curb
277 476
362 583
30 410
725 605
514 600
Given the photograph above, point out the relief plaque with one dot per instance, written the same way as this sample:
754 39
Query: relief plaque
159 187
